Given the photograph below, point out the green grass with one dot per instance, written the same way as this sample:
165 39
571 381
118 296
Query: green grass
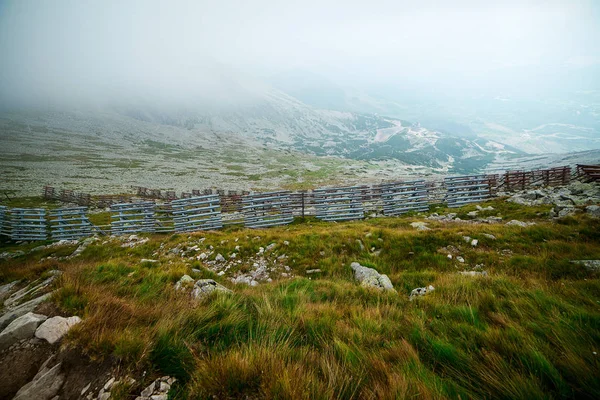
528 330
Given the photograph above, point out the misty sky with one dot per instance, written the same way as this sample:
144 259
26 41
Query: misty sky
72 49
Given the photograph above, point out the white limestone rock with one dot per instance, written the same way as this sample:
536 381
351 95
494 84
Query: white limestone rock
53 329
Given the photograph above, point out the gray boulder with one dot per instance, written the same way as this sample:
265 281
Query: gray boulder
53 329
21 328
15 312
593 211
184 281
45 385
369 277
204 287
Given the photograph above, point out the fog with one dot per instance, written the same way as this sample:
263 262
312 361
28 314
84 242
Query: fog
61 52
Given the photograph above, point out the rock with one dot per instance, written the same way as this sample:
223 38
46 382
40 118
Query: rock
590 265
313 271
420 226
30 290
157 390
286 243
515 222
196 271
184 281
6 289
472 213
593 211
369 277
45 385
473 273
271 246
21 328
566 211
220 258
460 259
53 329
15 312
361 245
474 242
421 291
204 287
467 238
146 260
489 236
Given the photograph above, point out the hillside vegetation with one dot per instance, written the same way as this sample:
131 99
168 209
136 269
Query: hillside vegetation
529 328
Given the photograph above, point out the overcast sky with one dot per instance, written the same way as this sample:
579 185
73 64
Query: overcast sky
81 48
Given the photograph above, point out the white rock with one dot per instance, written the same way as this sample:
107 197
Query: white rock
219 258
421 291
420 226
53 329
460 259
474 242
21 328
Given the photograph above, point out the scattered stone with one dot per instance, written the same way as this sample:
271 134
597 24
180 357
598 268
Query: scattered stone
489 236
271 246
421 292
146 260
473 213
473 273
420 226
474 242
196 271
360 243
184 281
460 259
313 271
515 222
590 265
220 258
369 277
21 328
467 239
204 287
286 243
593 211
53 329
157 390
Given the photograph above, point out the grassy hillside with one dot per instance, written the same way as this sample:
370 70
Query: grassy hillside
529 329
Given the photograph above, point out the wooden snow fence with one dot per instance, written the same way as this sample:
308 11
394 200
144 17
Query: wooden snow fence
461 190
129 218
199 213
27 224
339 204
70 224
402 197
264 210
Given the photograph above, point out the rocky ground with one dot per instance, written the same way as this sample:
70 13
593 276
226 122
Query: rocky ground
60 340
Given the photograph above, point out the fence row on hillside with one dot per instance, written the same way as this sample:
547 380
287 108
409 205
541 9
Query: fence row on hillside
209 211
